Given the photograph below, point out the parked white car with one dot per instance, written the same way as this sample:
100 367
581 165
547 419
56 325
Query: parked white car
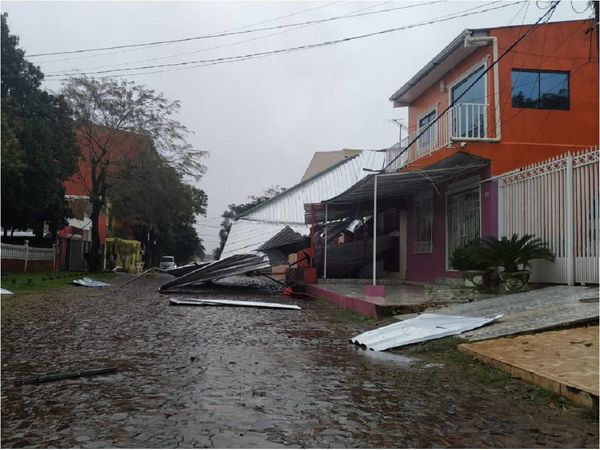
167 262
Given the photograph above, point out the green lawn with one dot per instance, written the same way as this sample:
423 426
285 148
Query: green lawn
21 283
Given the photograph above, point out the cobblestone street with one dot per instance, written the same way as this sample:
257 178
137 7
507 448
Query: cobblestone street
243 377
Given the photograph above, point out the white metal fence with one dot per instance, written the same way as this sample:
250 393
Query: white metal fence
26 253
558 200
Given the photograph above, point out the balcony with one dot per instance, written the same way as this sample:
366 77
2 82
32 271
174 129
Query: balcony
463 122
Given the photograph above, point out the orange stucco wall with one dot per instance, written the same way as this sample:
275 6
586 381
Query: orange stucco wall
529 135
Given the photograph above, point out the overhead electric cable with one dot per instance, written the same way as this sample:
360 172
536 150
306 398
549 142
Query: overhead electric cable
290 49
231 44
228 33
546 16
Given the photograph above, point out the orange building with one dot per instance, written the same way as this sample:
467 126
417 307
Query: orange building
76 237
538 101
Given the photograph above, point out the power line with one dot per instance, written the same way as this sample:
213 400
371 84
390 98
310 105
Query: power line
224 31
546 16
243 41
225 59
230 33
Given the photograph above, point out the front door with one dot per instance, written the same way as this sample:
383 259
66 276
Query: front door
463 219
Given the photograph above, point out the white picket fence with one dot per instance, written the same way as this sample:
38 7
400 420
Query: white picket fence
26 253
558 200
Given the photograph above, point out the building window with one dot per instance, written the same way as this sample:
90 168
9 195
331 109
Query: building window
469 108
427 140
463 219
423 222
540 90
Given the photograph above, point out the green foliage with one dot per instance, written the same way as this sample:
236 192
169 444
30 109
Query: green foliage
110 111
236 211
469 257
38 144
515 252
149 196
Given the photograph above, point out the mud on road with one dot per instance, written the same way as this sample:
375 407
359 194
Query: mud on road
242 377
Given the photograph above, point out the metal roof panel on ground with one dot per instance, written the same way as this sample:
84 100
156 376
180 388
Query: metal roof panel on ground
223 268
287 207
424 327
242 303
392 185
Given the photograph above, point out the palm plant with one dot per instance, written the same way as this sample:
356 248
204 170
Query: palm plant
469 257
516 251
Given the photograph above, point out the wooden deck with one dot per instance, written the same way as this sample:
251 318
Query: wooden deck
565 361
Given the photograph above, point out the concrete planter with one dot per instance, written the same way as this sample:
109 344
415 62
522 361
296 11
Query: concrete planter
476 278
515 281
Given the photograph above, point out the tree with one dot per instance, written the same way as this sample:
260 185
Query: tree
235 212
107 112
38 145
161 213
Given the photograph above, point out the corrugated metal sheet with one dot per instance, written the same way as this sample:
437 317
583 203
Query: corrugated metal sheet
288 207
243 303
223 268
247 236
422 328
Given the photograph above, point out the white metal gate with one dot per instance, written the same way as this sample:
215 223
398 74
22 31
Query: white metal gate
558 200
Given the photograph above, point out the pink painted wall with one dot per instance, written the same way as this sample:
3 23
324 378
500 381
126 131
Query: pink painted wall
429 266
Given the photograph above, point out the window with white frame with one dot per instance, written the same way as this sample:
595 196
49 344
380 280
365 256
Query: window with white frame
423 222
463 218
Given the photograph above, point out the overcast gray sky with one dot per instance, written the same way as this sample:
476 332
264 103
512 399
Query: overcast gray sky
262 119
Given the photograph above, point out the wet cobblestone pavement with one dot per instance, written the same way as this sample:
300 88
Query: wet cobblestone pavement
242 377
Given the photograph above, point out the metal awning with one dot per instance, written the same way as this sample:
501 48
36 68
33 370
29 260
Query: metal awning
359 198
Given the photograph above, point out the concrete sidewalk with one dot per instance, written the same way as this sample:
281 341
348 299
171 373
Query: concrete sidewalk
526 312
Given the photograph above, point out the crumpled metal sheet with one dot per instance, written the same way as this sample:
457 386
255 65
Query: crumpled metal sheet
248 236
88 282
424 327
243 303
5 292
233 265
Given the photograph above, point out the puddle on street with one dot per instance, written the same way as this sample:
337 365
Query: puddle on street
384 357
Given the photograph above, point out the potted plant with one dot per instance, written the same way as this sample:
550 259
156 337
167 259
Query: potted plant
469 259
514 255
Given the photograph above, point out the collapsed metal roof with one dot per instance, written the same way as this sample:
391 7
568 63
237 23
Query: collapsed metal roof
359 198
249 236
287 207
227 267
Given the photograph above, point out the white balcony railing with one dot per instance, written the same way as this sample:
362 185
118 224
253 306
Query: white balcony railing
463 122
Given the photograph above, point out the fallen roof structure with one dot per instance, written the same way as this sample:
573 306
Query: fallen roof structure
424 327
179 271
242 303
359 198
223 268
278 222
250 236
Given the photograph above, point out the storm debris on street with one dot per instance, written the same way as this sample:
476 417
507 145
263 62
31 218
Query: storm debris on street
242 303
424 327
226 378
89 282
